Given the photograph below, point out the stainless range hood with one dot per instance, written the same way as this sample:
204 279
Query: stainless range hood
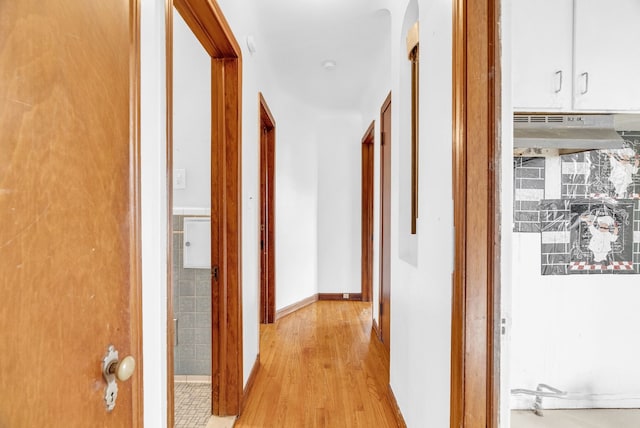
535 135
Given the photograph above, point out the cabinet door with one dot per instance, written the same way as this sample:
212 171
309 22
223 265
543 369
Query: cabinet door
541 54
607 55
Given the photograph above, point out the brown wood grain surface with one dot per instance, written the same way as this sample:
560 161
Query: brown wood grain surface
69 210
385 223
475 378
267 213
366 235
321 366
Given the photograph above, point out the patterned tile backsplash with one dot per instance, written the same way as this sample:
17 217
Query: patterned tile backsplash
528 177
192 309
594 228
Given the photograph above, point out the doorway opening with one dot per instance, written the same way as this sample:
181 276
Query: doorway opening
367 212
219 280
267 214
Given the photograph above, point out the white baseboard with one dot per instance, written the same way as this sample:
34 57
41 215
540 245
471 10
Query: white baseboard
595 401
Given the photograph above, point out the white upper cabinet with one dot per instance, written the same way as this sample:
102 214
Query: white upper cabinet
607 55
576 55
541 54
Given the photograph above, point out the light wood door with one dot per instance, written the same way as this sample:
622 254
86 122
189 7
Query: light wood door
69 247
385 223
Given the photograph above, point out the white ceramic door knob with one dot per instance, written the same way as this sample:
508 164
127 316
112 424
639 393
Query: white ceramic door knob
125 368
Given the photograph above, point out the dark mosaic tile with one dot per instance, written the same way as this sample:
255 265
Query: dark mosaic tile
527 216
532 184
537 173
555 248
529 205
533 162
529 227
558 258
552 226
554 270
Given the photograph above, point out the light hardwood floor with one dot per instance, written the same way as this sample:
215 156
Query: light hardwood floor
321 367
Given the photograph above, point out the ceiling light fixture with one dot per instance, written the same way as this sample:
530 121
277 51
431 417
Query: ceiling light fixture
329 64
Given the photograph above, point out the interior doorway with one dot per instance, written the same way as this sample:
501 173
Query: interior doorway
367 212
208 24
267 214
385 224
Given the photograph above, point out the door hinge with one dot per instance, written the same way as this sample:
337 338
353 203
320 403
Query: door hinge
214 273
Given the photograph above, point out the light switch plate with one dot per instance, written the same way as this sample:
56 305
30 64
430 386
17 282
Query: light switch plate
179 179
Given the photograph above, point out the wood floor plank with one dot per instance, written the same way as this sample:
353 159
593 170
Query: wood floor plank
321 367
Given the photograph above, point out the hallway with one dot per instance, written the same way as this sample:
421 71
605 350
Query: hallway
320 367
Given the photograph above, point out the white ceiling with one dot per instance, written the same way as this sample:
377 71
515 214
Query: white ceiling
299 35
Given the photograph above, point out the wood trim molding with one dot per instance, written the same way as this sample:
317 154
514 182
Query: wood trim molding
369 137
135 302
250 382
267 127
367 214
340 296
266 116
476 95
280 313
396 409
168 19
206 20
376 329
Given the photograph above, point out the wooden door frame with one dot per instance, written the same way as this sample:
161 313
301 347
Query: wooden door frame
366 236
475 382
383 141
267 127
209 25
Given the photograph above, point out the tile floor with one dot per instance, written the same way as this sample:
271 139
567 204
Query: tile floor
577 418
192 404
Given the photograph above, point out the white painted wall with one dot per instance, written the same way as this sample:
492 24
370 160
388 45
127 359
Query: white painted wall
407 242
154 213
380 86
575 333
339 142
421 290
242 22
296 198
191 117
506 220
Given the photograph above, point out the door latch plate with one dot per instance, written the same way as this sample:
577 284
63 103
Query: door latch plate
111 391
